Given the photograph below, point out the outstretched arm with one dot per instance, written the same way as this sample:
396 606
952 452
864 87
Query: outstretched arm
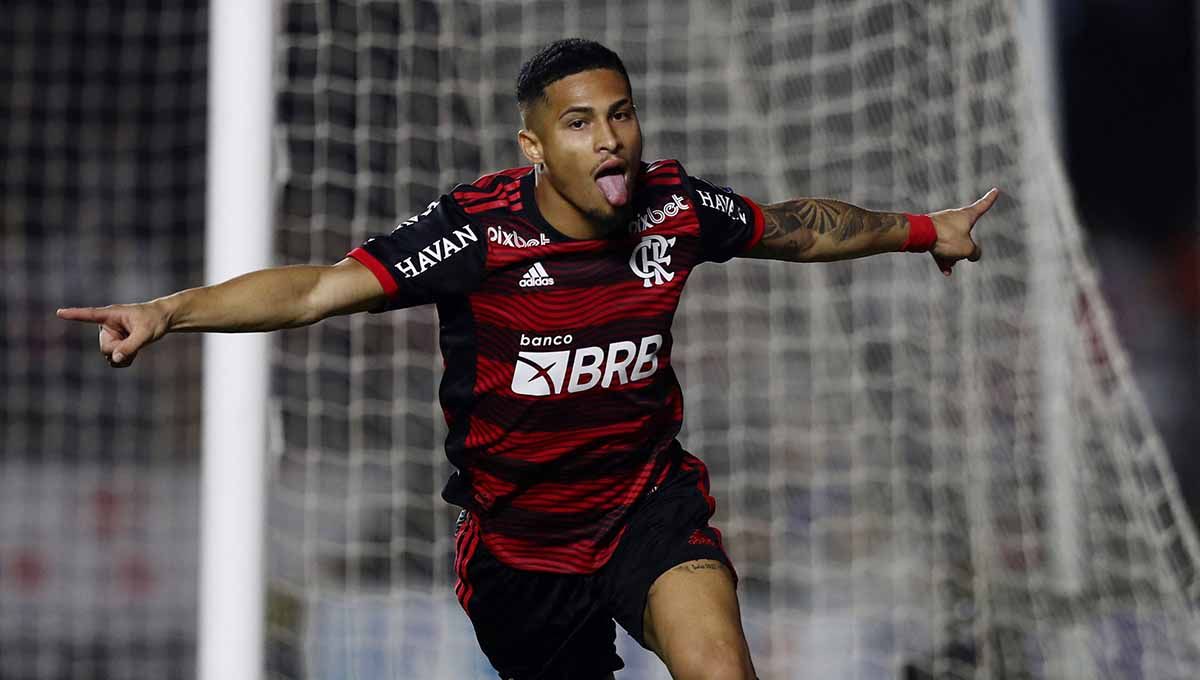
824 230
264 300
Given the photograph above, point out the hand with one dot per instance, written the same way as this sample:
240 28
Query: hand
954 232
124 329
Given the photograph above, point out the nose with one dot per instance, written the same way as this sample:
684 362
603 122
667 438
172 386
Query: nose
606 137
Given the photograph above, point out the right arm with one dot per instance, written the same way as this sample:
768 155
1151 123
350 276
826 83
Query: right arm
264 300
433 254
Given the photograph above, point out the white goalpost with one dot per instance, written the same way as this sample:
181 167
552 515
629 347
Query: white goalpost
236 367
1035 22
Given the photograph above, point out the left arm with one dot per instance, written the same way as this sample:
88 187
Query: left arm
825 230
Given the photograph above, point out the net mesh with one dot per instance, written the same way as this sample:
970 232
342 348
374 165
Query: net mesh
916 477
102 127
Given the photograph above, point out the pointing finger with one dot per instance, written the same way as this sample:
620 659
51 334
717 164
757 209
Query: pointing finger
985 202
94 314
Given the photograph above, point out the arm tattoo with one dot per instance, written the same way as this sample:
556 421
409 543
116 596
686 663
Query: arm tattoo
793 228
702 565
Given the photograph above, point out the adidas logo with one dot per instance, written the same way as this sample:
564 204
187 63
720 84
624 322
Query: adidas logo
536 276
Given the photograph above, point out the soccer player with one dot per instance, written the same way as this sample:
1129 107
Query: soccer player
555 286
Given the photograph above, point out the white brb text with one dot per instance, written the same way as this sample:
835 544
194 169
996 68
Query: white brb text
540 374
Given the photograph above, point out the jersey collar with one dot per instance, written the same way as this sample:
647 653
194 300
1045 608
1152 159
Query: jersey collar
528 186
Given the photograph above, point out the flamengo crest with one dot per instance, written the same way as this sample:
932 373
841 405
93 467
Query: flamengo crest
650 259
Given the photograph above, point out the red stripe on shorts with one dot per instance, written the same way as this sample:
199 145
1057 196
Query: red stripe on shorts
468 541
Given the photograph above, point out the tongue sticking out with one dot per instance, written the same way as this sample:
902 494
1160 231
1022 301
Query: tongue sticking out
614 189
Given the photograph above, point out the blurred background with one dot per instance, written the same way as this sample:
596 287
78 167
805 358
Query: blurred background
102 146
1128 122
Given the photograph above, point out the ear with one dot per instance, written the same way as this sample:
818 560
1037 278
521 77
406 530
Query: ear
531 146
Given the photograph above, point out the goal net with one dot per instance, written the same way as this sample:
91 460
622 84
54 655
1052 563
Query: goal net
916 476
102 151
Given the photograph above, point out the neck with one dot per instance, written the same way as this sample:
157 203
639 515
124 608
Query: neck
565 217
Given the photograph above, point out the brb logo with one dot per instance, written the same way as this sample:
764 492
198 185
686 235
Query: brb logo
541 374
650 259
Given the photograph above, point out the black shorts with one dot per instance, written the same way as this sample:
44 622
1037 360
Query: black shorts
547 626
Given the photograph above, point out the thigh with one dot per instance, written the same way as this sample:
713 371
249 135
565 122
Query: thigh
668 528
693 622
532 625
670 582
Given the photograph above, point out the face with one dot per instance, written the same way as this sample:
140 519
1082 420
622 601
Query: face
586 137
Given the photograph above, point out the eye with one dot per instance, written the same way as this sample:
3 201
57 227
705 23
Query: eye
577 124
622 115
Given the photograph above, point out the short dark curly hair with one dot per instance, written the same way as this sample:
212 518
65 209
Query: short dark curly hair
560 59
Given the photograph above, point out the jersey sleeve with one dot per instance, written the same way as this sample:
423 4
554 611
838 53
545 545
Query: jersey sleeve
730 224
434 254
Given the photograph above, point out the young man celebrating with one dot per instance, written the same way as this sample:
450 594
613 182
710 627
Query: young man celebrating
556 285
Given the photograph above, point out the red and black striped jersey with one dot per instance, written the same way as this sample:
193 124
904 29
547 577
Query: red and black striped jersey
558 388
